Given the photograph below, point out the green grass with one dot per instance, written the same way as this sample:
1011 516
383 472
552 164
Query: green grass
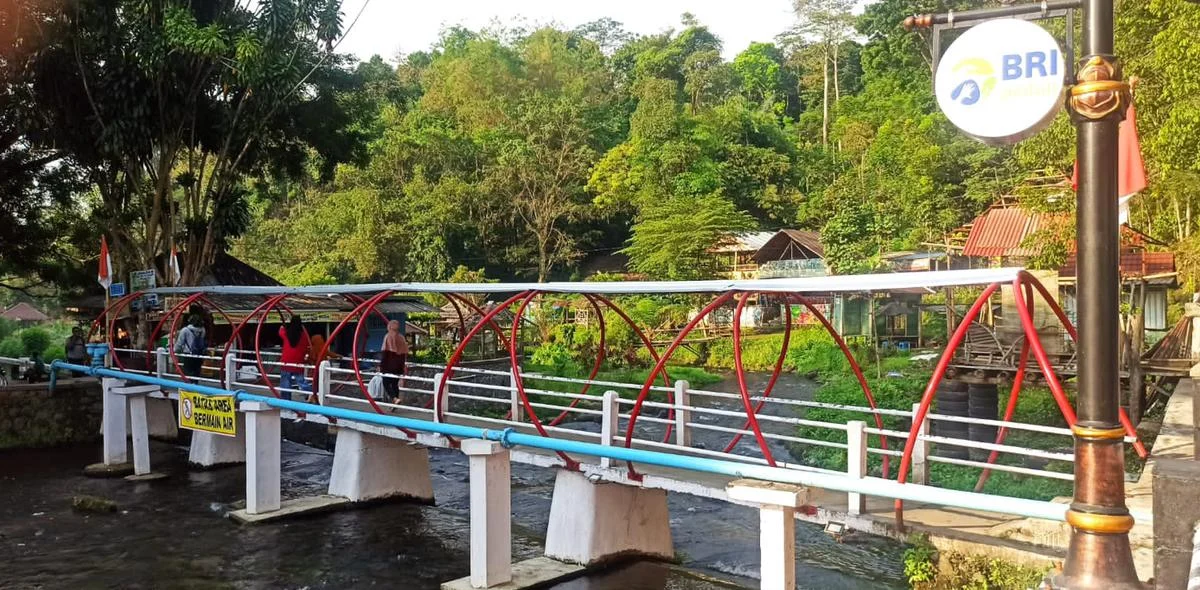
810 350
695 377
900 390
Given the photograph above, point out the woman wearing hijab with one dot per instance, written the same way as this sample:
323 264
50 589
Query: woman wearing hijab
295 349
393 360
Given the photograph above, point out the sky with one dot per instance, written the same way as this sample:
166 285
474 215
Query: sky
391 27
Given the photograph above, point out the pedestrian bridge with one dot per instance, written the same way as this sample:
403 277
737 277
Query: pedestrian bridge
619 447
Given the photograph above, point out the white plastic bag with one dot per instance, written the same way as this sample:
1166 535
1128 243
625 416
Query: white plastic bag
248 374
375 387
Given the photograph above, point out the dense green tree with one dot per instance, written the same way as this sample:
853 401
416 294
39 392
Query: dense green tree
522 152
168 106
39 182
760 68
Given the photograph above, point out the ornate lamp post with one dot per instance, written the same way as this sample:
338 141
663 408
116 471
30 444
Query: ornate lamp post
1099 556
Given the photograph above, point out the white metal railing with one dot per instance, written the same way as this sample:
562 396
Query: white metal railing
685 412
16 362
6 362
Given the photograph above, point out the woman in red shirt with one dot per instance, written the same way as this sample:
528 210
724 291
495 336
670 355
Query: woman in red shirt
295 349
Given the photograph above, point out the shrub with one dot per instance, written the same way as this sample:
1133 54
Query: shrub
810 350
920 561
7 327
53 352
963 572
976 572
555 359
436 352
34 340
12 347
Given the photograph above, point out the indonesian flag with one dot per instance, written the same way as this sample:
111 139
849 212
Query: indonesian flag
1131 170
104 275
173 267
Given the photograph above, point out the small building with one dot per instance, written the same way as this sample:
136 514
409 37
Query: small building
791 253
1003 235
24 314
736 254
1007 235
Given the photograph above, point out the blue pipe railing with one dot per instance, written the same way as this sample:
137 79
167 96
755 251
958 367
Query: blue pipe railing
872 486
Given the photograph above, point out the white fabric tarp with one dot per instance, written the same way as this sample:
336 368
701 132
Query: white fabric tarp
831 284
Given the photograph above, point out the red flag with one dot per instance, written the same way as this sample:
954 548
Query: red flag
1131 170
104 276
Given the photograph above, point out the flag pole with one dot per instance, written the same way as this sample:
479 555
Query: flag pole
104 277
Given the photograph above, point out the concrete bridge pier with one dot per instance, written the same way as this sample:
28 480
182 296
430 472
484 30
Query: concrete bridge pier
160 413
114 424
592 522
491 528
214 450
263 457
491 513
777 505
371 467
124 416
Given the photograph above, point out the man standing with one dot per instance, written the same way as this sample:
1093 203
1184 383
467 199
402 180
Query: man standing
76 348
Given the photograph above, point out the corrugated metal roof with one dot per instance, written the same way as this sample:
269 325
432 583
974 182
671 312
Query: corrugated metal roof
745 242
790 244
1000 231
1134 264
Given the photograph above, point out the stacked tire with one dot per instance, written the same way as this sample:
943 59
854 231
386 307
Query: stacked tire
982 402
951 399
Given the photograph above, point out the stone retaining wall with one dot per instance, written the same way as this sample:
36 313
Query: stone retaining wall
33 417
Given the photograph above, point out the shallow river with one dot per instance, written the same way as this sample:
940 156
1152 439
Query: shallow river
172 533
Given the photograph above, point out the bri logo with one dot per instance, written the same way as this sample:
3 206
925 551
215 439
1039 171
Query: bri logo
981 77
979 82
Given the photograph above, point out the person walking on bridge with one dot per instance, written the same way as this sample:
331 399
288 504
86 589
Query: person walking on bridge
394 357
191 344
295 350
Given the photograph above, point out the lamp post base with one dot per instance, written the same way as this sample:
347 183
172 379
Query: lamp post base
1097 561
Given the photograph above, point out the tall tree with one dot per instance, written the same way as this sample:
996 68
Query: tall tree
827 24
169 105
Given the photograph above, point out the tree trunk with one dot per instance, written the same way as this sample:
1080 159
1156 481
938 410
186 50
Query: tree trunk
825 100
1187 220
543 258
837 83
1179 235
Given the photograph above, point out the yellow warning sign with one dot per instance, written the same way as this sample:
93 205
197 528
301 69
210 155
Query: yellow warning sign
208 413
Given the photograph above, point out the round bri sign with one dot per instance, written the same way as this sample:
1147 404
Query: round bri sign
1001 81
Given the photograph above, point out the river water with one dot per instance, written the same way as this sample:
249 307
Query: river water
172 533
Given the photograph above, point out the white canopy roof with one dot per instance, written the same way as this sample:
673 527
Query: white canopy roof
832 284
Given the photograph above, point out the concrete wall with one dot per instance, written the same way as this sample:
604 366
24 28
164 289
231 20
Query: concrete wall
32 417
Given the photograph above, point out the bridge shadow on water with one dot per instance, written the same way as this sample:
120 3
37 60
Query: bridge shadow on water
171 533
